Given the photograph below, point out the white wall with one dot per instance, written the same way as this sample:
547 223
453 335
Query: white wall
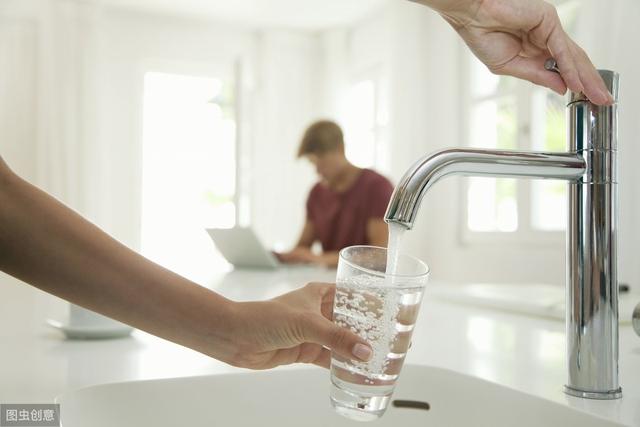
18 84
286 100
41 105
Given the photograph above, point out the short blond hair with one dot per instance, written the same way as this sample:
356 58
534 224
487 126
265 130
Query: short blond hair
321 137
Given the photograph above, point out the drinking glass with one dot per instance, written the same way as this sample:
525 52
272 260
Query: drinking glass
381 308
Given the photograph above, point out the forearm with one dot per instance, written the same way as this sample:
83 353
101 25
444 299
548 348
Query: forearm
307 237
46 244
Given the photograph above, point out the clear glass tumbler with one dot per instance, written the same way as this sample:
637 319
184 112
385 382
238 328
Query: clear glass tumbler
381 308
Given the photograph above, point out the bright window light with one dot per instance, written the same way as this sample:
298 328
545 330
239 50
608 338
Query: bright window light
188 170
492 203
549 197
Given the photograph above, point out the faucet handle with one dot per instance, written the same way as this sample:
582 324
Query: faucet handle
551 65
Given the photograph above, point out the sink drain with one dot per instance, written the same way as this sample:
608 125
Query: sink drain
411 404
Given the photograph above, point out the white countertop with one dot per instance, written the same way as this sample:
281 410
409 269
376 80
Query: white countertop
518 351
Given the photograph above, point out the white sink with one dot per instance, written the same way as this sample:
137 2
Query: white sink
299 397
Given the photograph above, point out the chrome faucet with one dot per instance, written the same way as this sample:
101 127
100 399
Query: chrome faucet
590 168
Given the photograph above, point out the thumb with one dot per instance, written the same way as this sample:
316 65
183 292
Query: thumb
319 330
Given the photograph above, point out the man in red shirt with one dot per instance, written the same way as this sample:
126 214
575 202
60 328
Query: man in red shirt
346 207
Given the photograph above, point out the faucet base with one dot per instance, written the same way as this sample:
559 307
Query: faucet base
600 395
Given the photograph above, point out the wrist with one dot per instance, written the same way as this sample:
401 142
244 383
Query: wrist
218 338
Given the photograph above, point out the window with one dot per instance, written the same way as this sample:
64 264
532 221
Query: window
548 197
507 113
188 178
365 121
492 202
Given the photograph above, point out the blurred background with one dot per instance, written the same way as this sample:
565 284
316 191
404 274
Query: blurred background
158 118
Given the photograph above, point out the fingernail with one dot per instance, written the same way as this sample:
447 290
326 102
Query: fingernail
362 352
603 97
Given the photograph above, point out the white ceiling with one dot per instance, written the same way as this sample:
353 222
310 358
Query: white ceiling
299 14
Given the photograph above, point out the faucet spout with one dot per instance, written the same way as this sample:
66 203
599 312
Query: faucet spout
407 196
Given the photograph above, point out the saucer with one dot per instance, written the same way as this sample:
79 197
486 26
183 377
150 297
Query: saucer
87 332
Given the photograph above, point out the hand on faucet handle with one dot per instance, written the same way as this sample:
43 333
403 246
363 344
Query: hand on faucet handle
516 37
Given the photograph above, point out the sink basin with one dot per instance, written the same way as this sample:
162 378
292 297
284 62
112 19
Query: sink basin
299 397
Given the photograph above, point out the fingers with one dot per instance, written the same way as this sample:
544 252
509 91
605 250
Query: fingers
594 87
324 359
320 330
548 35
560 49
574 65
324 293
305 353
532 69
324 289
285 257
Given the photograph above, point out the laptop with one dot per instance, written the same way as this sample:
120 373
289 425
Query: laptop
242 248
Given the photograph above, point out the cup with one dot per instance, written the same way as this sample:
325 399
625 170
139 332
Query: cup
381 308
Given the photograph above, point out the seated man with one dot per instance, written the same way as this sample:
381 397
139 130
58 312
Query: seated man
346 207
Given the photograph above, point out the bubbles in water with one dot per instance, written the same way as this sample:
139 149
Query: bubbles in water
370 308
